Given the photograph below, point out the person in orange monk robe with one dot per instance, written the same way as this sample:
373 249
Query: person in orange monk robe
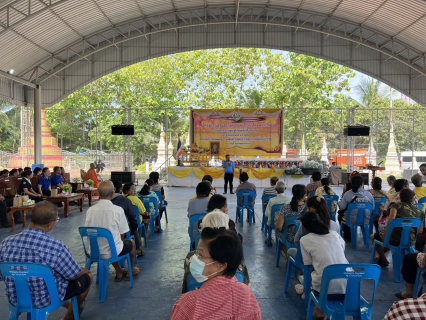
91 174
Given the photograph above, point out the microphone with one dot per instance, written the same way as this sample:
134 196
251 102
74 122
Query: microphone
380 163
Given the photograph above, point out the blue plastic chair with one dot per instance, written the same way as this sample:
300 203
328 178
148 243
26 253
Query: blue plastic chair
288 222
20 272
329 199
93 235
404 247
422 200
420 206
193 219
312 194
378 201
306 269
141 226
160 196
192 284
419 280
361 207
197 240
146 200
265 200
353 304
274 209
245 194
128 236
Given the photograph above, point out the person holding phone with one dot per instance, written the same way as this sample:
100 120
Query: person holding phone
229 167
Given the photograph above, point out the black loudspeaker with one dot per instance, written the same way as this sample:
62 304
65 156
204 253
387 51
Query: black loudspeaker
356 131
123 130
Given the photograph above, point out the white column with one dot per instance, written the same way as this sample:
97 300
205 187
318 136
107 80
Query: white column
37 124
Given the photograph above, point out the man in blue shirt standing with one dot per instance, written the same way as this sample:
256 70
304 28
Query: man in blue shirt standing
229 167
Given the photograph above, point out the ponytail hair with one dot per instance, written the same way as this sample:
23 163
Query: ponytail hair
357 182
325 182
298 191
321 208
145 189
312 223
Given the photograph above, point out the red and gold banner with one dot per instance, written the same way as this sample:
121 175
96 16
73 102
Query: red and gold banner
247 133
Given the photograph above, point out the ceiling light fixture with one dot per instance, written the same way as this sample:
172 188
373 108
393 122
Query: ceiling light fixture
11 71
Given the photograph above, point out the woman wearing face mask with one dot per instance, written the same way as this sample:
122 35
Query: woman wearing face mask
216 218
216 262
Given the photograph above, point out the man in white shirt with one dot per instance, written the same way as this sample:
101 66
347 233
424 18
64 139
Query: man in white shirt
109 216
281 198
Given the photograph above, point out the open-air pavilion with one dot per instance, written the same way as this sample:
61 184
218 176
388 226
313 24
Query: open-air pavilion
55 47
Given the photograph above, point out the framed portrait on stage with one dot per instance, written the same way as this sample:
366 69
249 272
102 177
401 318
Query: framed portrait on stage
214 148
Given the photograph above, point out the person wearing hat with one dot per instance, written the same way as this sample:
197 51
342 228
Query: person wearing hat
281 198
322 247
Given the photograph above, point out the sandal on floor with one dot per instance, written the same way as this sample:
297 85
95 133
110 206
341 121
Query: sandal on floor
116 279
400 296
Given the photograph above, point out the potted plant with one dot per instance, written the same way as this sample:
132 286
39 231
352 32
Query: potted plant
76 180
67 188
90 183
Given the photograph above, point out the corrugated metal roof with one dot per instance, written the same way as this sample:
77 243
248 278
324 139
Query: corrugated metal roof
31 32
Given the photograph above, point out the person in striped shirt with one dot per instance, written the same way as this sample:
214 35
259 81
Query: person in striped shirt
271 190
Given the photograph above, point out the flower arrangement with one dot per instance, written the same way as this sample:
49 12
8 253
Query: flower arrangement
76 180
293 170
90 183
310 164
370 164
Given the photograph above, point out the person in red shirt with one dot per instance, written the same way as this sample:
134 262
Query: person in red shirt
221 296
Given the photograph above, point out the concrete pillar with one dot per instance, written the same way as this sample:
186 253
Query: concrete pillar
37 124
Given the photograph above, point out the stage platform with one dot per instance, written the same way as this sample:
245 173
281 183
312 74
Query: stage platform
191 176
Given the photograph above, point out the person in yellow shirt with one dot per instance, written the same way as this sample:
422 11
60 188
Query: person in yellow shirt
129 191
419 190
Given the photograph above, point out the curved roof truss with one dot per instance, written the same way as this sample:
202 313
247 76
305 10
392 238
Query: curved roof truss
351 42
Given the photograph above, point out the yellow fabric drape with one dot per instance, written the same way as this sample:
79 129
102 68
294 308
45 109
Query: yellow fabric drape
216 173
180 173
198 173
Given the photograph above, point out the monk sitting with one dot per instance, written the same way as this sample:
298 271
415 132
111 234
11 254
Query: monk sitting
92 175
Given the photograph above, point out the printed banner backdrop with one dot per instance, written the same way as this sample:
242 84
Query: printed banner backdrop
246 133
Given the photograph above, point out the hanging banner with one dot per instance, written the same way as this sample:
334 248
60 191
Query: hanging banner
245 133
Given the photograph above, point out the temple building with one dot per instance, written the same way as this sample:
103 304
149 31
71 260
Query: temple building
51 153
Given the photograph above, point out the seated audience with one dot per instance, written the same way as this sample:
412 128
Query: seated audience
399 210
4 174
313 186
90 175
44 183
281 198
20 170
129 192
399 185
3 213
419 190
376 191
326 190
14 173
34 245
410 264
245 186
130 214
63 176
210 179
296 207
216 219
26 188
348 185
391 181
219 203
37 171
407 309
219 255
423 171
146 191
56 178
321 248
199 204
156 187
356 194
106 215
271 190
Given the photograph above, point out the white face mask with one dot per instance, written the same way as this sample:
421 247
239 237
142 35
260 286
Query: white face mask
196 268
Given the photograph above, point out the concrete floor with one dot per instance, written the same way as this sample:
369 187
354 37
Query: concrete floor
159 285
